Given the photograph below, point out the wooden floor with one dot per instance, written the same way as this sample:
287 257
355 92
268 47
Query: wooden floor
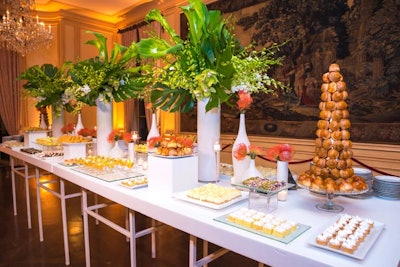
20 246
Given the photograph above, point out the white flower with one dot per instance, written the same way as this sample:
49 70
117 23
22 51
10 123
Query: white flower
237 88
85 89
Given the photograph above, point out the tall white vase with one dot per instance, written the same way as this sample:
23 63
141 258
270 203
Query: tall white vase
240 166
104 127
79 124
208 132
153 130
57 123
117 151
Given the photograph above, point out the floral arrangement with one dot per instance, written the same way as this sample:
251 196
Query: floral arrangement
282 152
86 132
244 100
252 70
116 135
242 150
205 65
69 99
68 128
107 78
47 84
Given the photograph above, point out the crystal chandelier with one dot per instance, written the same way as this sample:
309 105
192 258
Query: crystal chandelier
20 31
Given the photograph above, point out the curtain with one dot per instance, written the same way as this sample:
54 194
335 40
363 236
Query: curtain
131 34
131 106
11 66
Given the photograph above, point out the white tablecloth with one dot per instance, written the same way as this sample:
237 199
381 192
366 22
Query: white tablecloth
300 207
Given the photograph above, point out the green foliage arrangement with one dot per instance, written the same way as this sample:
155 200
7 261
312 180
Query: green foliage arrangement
205 65
47 84
107 78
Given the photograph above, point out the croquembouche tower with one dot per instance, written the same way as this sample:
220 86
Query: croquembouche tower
331 169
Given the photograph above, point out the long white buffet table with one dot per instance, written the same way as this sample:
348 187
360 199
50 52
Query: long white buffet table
199 221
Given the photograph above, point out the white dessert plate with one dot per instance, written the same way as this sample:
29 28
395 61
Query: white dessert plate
364 247
125 183
386 178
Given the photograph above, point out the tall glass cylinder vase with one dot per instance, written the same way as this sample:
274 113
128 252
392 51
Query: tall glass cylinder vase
104 127
57 123
240 166
208 131
282 171
79 124
153 129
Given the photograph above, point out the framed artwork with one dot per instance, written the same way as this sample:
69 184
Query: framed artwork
361 36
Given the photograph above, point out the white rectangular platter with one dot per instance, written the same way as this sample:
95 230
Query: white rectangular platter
364 247
183 196
133 186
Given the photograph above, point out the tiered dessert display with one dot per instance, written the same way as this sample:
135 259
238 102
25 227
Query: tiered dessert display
263 192
331 170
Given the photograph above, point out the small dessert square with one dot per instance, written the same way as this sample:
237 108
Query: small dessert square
322 239
279 231
267 228
335 243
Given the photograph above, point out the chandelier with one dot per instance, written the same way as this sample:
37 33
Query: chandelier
20 31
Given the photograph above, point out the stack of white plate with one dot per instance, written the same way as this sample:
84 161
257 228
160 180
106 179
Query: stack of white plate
387 187
366 174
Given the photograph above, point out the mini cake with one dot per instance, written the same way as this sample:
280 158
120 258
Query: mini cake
370 222
233 217
348 246
257 225
248 222
267 228
279 231
335 243
322 239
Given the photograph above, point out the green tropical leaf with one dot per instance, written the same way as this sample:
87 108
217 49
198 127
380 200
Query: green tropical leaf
100 43
155 15
171 100
156 48
115 52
